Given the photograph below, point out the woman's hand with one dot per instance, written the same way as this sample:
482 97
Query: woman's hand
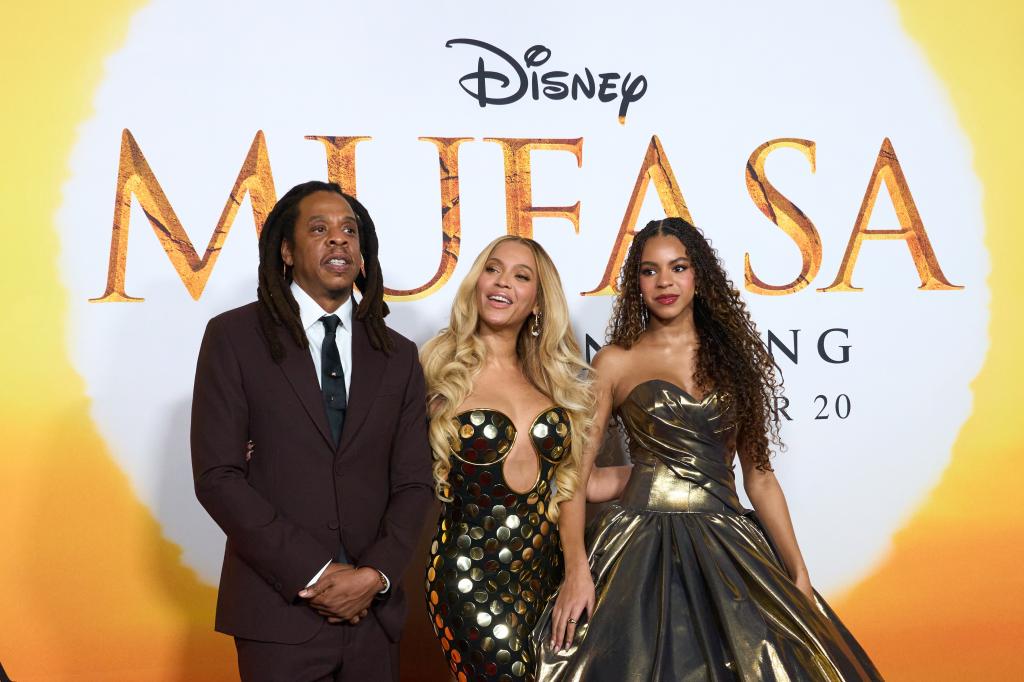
575 596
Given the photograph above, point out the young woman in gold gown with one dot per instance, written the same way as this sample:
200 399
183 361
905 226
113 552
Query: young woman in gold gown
688 585
510 404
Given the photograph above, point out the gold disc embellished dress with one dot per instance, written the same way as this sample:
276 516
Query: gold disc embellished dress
688 584
496 558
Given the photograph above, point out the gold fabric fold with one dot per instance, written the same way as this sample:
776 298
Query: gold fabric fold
688 584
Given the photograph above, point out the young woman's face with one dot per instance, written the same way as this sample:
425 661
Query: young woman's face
507 288
667 280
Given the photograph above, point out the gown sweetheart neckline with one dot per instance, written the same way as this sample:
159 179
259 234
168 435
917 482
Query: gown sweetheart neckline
515 436
533 423
678 388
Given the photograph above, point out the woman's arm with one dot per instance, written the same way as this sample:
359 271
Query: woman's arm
576 594
607 483
766 495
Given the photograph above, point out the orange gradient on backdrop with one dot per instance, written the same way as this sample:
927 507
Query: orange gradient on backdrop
92 591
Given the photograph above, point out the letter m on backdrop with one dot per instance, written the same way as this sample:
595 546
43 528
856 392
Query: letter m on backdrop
135 178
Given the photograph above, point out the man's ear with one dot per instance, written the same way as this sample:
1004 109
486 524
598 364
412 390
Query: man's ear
286 253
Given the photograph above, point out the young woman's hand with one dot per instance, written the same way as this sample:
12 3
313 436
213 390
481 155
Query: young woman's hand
575 596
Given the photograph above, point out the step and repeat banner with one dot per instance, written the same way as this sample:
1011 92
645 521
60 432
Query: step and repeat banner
831 154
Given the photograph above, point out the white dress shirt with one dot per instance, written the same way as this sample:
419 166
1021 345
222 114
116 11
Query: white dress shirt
310 313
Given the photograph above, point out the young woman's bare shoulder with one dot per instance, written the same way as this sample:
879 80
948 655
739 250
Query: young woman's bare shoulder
611 363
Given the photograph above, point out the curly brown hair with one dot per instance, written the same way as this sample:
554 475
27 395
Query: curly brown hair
731 357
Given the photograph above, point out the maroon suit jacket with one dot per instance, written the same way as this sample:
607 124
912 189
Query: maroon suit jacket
286 511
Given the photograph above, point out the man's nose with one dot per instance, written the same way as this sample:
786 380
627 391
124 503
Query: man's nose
337 235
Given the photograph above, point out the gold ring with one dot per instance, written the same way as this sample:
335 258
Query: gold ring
573 621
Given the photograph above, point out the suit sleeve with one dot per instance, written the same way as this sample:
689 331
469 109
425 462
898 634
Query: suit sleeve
411 490
285 555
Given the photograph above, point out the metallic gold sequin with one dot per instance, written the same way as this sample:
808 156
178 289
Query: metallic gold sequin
491 565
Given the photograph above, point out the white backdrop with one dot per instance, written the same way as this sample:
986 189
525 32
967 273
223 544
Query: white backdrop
195 86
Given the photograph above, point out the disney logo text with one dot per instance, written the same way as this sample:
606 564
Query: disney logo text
512 84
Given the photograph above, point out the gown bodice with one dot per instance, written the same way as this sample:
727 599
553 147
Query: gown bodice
682 449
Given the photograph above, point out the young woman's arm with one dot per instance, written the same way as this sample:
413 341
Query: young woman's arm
576 594
769 502
607 483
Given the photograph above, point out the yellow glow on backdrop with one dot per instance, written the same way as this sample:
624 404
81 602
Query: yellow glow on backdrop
92 591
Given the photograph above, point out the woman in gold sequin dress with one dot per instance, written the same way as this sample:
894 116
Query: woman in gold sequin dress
509 406
689 585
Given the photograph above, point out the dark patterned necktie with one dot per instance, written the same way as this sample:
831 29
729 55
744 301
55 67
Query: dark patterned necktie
332 377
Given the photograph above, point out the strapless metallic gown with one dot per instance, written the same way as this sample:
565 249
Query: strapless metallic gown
496 558
688 584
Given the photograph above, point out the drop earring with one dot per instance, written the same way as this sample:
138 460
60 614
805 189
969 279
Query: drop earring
535 327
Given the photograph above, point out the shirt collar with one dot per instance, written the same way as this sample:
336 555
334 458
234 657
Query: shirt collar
310 311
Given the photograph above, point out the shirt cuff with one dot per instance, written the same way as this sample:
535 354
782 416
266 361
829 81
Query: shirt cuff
320 573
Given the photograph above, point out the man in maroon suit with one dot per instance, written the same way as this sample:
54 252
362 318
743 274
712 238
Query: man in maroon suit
322 516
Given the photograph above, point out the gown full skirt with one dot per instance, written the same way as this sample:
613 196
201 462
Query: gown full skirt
688 584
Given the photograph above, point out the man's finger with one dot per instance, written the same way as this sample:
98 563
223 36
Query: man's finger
317 588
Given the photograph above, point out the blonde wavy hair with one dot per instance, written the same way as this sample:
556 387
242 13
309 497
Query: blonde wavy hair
551 361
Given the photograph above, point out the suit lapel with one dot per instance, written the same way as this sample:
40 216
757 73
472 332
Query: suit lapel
368 365
298 368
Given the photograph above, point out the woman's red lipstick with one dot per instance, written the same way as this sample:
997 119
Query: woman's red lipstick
666 299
